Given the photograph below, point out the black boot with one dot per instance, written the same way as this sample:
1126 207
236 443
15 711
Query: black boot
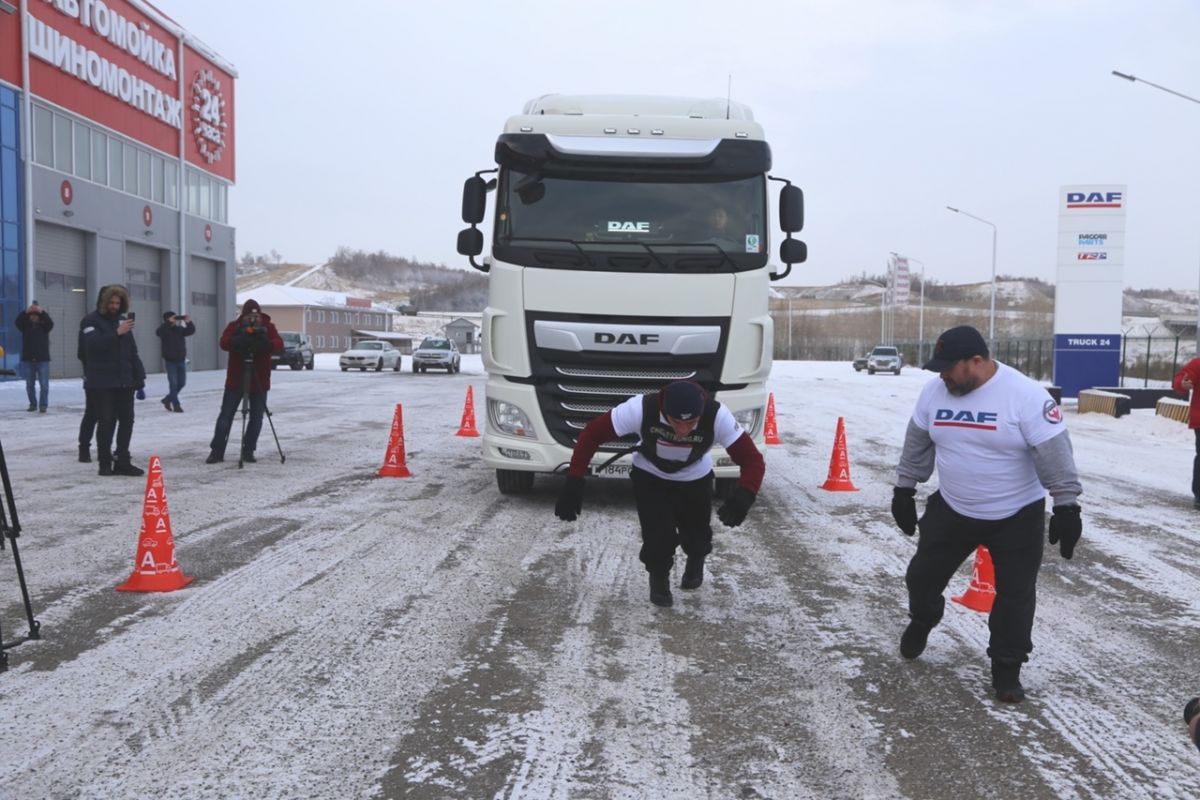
85 454
660 590
912 641
249 458
1006 680
123 466
214 458
106 468
693 573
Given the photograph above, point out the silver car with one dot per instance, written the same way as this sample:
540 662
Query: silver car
884 359
436 352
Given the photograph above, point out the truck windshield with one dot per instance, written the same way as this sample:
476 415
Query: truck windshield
631 225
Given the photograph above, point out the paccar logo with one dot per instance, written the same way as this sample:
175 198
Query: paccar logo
1093 256
626 338
616 226
1088 239
1093 199
979 420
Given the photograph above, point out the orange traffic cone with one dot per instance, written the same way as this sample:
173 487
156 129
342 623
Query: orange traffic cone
155 568
838 479
982 592
393 461
770 431
467 427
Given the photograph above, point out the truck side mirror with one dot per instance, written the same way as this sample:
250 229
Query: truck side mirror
791 209
470 241
474 202
793 251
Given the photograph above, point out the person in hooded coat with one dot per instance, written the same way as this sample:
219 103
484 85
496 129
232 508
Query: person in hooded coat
113 371
250 340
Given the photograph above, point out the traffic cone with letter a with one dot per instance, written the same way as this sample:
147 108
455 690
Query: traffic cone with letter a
770 431
155 568
982 592
838 479
393 461
467 427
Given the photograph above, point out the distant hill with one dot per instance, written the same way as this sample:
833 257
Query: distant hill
380 276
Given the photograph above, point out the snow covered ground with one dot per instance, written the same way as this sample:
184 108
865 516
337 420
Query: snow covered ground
353 636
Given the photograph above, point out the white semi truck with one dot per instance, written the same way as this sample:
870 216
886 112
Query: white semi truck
629 249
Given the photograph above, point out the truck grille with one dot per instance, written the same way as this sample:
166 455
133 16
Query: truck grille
573 387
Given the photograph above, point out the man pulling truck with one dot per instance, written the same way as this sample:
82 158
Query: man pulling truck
672 476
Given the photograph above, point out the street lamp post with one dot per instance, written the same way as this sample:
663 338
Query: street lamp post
992 313
1135 79
921 317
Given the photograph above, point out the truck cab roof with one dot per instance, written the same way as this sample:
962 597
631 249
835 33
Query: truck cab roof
645 117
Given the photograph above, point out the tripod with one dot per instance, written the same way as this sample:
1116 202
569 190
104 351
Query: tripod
249 380
10 527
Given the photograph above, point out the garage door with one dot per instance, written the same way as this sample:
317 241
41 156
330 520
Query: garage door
143 278
60 286
203 275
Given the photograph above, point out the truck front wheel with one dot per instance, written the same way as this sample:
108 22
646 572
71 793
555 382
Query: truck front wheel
511 481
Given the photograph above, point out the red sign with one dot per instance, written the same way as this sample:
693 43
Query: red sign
147 216
358 302
67 192
208 233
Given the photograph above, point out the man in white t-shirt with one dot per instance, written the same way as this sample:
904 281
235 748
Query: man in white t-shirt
999 444
672 476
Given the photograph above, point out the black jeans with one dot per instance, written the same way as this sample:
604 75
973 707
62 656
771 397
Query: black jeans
87 425
1015 543
672 513
1196 468
229 406
114 410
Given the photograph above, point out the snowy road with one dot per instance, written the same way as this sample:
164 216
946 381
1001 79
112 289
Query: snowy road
353 636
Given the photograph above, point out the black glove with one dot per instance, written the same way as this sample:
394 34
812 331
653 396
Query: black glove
733 512
1066 526
570 501
904 509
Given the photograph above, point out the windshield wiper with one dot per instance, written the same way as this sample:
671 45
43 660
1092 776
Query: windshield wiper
557 259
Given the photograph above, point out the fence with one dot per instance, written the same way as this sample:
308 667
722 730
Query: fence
1143 358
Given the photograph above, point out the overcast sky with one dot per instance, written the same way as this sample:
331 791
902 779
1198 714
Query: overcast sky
358 121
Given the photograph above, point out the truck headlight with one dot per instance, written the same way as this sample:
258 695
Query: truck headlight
509 418
748 419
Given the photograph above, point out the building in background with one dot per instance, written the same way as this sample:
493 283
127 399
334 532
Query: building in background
464 333
332 321
116 160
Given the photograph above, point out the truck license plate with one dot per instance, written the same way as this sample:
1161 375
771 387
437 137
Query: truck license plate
612 471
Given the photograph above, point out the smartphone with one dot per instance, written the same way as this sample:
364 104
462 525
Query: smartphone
131 316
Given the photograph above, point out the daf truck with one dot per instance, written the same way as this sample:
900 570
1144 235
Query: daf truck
630 247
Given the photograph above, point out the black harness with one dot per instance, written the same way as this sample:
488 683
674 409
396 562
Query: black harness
654 431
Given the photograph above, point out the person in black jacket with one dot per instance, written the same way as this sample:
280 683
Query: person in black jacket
173 331
35 326
112 372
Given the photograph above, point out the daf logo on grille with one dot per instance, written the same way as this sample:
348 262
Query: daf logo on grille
625 338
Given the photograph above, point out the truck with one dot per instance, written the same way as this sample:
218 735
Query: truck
629 249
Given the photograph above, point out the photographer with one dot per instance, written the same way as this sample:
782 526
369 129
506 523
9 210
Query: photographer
112 372
35 326
173 331
250 340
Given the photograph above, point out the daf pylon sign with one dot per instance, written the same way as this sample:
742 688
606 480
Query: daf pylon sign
1090 282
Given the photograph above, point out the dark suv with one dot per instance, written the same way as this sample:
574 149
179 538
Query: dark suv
297 353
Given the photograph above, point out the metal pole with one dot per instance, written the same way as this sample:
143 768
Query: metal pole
992 319
790 356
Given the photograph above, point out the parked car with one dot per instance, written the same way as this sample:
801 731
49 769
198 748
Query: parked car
860 363
371 353
297 352
439 352
884 359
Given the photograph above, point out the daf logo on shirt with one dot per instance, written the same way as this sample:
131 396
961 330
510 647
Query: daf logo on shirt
979 420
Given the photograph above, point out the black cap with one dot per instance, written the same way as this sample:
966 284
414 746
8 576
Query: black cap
167 315
683 400
955 345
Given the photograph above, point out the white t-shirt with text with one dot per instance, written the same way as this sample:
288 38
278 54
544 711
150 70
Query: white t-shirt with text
983 441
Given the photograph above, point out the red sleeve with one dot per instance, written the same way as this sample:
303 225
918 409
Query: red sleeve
1191 371
746 455
596 433
276 339
227 335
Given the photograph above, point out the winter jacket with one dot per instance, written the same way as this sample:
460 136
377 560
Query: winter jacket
110 361
174 348
240 340
1191 371
35 336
